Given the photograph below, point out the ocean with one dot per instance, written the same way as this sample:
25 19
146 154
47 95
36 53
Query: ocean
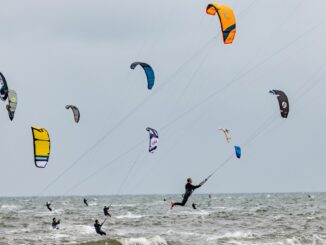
287 218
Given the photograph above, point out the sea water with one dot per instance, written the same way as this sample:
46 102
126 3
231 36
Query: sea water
294 218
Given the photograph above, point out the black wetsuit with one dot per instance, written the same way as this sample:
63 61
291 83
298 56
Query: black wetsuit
106 211
48 205
85 201
189 189
55 223
98 229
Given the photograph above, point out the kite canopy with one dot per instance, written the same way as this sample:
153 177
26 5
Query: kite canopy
3 87
148 71
282 101
12 103
75 111
237 151
226 134
153 139
227 20
41 141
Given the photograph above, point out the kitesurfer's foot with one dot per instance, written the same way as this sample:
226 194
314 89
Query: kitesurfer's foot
171 205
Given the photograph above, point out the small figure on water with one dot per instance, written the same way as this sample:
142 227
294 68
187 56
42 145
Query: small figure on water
55 223
98 227
106 211
85 201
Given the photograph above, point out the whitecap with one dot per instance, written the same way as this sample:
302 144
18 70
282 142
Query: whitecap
129 215
197 212
181 233
293 241
123 205
156 240
9 207
228 235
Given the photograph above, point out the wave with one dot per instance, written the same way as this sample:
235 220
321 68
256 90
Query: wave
103 242
129 215
197 212
231 235
9 207
156 240
123 205
182 233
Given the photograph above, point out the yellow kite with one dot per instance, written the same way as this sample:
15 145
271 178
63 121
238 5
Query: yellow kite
227 19
41 140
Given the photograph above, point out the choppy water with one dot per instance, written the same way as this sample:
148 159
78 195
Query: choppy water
223 219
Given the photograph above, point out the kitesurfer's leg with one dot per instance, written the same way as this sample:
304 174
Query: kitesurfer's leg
184 201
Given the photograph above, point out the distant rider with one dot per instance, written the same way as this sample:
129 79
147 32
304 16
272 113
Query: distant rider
85 201
55 223
106 211
48 205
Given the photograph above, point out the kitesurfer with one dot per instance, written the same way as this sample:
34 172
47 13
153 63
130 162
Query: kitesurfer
48 205
98 227
55 223
106 211
194 206
189 189
85 201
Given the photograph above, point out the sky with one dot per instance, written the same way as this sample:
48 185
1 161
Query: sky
79 52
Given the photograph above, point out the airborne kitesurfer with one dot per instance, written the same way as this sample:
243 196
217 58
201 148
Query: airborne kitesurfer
189 189
106 211
48 205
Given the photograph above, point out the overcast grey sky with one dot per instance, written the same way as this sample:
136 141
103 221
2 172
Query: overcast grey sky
62 52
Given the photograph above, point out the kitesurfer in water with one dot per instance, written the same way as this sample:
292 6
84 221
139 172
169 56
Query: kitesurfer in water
189 189
85 201
55 223
106 211
48 205
98 227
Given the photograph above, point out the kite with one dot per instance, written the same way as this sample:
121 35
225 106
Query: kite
153 139
282 101
227 19
41 141
226 133
148 71
75 112
12 103
237 151
3 87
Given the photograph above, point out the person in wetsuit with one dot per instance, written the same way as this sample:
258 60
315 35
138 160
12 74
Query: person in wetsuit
189 189
55 223
48 205
106 211
85 201
98 228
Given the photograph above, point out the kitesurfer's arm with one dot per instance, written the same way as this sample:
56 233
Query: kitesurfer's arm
192 187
